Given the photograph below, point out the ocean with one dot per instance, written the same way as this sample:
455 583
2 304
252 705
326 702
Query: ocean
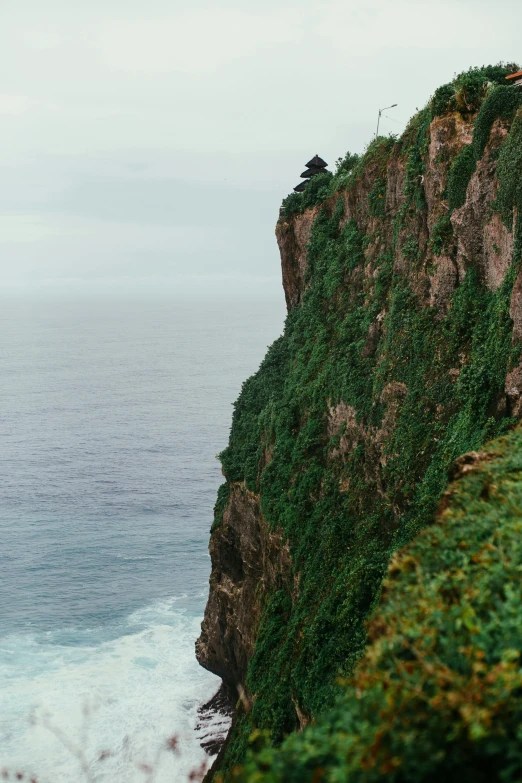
111 416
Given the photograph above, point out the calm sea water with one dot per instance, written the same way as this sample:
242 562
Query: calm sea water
111 415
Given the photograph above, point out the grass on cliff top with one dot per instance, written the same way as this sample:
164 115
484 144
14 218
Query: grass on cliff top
438 693
468 89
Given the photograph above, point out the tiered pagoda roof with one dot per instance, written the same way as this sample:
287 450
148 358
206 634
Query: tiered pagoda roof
315 166
318 162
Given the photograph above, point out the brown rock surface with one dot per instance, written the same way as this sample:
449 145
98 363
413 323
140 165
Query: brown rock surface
477 231
292 238
248 560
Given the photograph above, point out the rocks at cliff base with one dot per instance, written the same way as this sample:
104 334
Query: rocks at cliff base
215 718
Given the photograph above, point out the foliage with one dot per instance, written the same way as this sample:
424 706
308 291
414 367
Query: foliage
375 157
415 143
240 459
441 234
501 103
316 191
471 89
410 248
468 89
347 163
508 172
220 505
443 99
438 693
292 205
377 198
459 176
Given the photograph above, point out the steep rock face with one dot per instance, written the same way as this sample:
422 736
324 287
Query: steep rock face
292 239
480 238
402 352
248 561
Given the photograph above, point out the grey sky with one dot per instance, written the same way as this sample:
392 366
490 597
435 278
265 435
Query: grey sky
146 146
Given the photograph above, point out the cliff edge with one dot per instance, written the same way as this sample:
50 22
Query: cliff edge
401 352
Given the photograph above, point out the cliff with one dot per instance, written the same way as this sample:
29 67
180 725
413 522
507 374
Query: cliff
401 352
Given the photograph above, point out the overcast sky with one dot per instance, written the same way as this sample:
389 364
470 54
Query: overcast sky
145 145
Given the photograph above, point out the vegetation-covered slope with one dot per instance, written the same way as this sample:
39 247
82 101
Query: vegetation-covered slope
438 692
400 353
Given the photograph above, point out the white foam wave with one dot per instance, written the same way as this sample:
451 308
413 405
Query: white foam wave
125 695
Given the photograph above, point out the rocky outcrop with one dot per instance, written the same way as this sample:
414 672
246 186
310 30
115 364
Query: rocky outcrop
482 240
248 561
480 237
292 238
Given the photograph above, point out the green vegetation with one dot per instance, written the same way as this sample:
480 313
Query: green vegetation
316 191
441 235
467 91
220 505
459 176
510 190
501 103
340 553
438 693
410 248
348 170
416 388
377 198
346 165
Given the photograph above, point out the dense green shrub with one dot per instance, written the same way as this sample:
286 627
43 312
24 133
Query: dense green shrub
377 198
467 90
443 99
459 176
292 205
441 235
501 103
221 502
438 693
415 141
410 248
509 170
347 163
470 90
316 191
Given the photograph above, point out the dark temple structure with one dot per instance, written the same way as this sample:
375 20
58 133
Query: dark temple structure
315 166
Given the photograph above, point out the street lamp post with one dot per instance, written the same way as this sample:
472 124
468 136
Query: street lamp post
379 117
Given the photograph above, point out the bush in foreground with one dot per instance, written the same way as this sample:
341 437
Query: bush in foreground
438 693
